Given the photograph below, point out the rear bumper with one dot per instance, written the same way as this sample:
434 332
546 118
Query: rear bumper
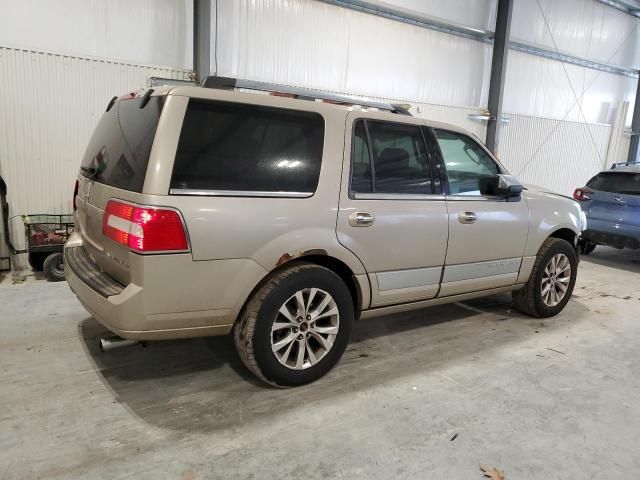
126 310
613 234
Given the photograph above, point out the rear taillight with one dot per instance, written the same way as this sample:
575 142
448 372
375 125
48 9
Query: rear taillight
582 194
75 195
144 229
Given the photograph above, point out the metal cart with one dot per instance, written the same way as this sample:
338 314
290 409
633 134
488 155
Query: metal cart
46 235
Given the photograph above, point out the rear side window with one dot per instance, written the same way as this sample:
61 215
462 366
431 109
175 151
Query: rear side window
391 159
118 152
248 148
616 182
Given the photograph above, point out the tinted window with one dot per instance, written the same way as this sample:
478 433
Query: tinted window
618 182
469 169
226 146
400 161
118 152
361 160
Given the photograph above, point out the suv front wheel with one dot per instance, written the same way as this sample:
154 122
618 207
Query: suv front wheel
551 282
296 326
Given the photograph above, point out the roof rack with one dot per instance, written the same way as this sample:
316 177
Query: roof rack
228 83
624 164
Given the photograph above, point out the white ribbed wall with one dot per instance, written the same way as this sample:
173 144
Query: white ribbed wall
558 155
49 106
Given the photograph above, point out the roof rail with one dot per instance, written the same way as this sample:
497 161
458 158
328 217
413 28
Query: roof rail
228 83
624 164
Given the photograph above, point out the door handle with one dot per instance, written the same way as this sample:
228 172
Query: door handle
467 217
361 219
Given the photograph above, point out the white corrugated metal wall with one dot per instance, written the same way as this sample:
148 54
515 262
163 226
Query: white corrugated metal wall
311 43
557 155
50 105
559 135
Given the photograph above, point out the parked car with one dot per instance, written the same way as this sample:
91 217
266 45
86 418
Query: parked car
611 202
205 211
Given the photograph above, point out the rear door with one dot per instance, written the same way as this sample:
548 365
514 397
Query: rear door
615 198
115 166
487 234
392 214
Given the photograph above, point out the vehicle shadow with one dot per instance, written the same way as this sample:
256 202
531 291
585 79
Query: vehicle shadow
625 259
200 385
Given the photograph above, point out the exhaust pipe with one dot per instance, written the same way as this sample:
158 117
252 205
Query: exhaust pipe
111 343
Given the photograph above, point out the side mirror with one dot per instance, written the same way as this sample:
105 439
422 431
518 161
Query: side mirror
508 186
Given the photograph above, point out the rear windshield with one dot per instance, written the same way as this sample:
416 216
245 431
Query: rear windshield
118 152
248 148
616 182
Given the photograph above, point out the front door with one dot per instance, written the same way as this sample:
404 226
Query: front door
392 214
487 234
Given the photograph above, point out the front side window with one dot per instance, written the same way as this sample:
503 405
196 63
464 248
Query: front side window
391 159
471 171
238 147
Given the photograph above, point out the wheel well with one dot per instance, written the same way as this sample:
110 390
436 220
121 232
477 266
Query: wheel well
565 234
342 270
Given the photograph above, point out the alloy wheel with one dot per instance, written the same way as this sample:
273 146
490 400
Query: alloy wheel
555 279
305 328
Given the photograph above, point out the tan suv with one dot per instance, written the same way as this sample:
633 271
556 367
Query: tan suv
285 217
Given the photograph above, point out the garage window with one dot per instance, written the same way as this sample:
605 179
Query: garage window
231 147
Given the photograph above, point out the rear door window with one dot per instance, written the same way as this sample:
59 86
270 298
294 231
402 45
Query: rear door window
119 149
248 148
391 159
623 183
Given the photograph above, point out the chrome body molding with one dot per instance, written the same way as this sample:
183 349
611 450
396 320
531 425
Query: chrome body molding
238 193
409 278
468 271
395 196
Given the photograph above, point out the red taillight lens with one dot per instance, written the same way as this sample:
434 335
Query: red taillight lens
75 195
582 194
144 229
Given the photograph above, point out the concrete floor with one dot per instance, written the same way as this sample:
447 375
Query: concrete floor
553 399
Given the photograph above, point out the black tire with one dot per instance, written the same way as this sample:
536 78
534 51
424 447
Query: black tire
36 261
253 335
54 267
529 299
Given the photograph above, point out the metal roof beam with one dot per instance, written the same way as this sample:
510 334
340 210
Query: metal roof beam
498 72
202 38
485 36
627 6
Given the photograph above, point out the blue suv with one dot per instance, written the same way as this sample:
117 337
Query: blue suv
611 202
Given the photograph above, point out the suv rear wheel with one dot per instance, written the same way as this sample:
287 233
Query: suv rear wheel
551 282
295 328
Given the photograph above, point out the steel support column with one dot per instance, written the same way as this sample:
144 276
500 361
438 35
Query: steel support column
498 71
202 38
634 145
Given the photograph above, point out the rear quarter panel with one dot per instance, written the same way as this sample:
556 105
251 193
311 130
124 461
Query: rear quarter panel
268 231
